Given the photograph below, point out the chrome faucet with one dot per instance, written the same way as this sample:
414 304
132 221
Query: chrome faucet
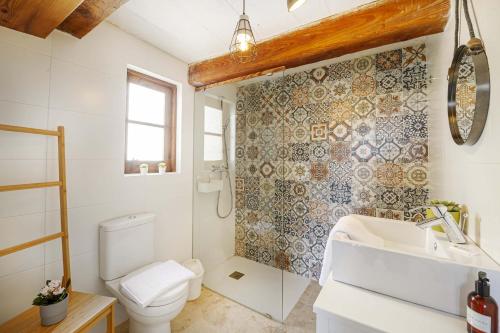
443 218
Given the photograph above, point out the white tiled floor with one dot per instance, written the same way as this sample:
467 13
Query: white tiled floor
261 288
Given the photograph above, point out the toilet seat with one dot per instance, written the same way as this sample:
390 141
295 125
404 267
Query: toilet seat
170 296
177 300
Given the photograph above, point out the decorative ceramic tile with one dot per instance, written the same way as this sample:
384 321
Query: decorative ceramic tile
390 214
319 151
299 152
340 192
390 129
339 71
390 174
389 60
320 191
319 74
339 211
314 146
389 151
390 197
319 132
341 89
389 105
363 85
389 81
414 54
416 174
363 195
415 197
363 129
415 126
365 211
339 131
416 150
341 171
340 151
319 171
363 151
267 169
364 172
364 108
415 77
364 65
415 101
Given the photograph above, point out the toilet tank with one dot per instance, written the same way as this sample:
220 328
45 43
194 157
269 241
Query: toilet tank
125 244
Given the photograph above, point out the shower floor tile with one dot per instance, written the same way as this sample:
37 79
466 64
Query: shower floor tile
260 288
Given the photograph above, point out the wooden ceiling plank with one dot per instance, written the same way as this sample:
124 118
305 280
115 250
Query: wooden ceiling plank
381 23
35 17
88 15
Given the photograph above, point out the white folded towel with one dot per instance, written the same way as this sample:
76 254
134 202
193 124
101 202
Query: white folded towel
145 285
347 228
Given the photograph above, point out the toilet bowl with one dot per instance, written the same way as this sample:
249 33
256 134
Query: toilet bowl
126 245
156 317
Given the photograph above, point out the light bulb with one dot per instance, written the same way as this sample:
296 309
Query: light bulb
243 46
243 37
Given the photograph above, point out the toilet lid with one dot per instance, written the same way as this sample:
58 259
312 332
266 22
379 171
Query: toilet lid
171 295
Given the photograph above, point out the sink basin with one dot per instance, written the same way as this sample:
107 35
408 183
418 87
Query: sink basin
398 259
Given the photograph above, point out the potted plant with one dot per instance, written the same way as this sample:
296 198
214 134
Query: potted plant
162 168
143 168
53 302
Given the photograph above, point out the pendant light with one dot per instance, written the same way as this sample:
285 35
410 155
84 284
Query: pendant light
243 47
294 4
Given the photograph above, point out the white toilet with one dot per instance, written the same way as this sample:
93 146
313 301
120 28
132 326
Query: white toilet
127 245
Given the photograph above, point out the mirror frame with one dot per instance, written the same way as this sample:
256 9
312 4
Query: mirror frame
476 50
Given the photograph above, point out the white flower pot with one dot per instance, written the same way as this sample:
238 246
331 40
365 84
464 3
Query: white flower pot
162 170
144 171
54 313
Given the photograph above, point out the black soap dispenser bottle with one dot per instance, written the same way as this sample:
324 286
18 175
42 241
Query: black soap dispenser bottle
482 310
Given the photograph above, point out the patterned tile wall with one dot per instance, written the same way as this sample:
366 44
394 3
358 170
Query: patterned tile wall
317 145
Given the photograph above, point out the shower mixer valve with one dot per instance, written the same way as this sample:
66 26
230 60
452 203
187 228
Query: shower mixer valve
219 168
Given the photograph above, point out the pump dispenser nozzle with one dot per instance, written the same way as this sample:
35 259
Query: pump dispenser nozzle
483 285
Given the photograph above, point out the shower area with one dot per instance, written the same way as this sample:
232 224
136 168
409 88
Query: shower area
240 226
286 156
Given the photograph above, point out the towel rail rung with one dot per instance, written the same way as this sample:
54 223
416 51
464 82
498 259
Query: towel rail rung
11 128
18 187
31 243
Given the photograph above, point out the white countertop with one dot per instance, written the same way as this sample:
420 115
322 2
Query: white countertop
383 313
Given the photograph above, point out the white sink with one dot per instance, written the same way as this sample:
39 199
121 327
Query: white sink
398 259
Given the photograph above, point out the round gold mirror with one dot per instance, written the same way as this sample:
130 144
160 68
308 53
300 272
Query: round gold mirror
468 93
468 86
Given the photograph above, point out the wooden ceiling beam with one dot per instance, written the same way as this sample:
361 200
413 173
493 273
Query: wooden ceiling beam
380 23
35 17
88 15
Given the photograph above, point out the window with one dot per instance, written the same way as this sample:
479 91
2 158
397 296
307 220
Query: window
213 134
151 123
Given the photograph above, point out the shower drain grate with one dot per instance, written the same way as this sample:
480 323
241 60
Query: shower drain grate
236 275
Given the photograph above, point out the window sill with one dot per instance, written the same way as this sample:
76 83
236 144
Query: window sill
150 174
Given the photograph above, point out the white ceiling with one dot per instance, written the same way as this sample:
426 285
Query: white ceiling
193 30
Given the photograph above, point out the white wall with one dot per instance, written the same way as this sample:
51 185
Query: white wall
81 84
468 174
213 237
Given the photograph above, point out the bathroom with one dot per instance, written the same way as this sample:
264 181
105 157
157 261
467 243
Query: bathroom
265 156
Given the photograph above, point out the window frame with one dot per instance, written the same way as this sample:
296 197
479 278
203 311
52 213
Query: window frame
169 127
213 134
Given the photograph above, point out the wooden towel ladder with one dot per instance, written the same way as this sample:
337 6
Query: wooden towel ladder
84 310
63 205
